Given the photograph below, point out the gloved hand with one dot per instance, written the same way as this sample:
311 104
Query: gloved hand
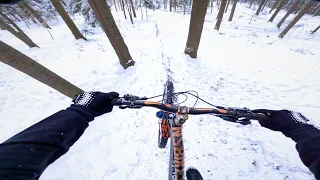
96 103
281 120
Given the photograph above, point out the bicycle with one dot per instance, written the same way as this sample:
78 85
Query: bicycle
172 117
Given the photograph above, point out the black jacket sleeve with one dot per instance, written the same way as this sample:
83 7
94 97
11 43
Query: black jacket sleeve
307 138
27 154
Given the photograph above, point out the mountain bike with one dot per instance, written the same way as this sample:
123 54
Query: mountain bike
173 116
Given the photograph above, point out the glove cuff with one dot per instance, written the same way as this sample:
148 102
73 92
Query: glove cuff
85 112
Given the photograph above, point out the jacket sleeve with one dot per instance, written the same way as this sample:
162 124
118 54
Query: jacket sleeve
27 154
307 138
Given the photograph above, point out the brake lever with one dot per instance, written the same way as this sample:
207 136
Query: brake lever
244 121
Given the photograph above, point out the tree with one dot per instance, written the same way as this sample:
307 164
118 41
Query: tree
296 19
24 64
170 5
198 13
274 5
123 9
129 11
233 9
27 14
265 4
73 28
227 6
280 5
35 14
133 10
20 34
299 4
260 7
291 9
105 18
251 2
220 14
315 30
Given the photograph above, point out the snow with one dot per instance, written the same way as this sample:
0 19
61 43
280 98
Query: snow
242 65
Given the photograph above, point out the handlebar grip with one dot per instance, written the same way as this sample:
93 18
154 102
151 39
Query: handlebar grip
259 116
116 101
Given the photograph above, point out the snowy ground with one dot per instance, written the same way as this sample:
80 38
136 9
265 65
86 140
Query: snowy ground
243 65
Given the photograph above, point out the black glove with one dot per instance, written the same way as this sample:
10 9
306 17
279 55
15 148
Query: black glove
282 120
96 103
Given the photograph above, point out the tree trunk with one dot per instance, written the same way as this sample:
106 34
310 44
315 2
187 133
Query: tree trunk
296 19
175 5
115 5
233 9
170 5
27 14
265 4
315 30
220 14
198 13
184 7
260 7
251 2
120 1
299 5
129 11
280 5
291 9
317 11
227 6
15 17
211 6
274 5
133 10
124 9
105 18
20 34
24 64
73 28
35 14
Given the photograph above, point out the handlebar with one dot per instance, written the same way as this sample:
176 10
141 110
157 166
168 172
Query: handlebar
239 115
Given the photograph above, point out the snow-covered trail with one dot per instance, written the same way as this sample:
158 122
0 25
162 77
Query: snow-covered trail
243 65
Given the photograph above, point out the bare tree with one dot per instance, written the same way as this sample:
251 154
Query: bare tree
19 33
297 18
260 7
105 18
198 13
274 5
63 13
129 11
251 2
24 64
170 5
297 8
35 14
123 9
315 30
317 11
220 14
132 8
280 5
233 9
265 4
115 5
27 14
290 10
227 6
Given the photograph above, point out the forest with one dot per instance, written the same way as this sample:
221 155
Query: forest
260 54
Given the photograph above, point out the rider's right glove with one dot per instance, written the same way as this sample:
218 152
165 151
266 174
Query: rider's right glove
282 120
